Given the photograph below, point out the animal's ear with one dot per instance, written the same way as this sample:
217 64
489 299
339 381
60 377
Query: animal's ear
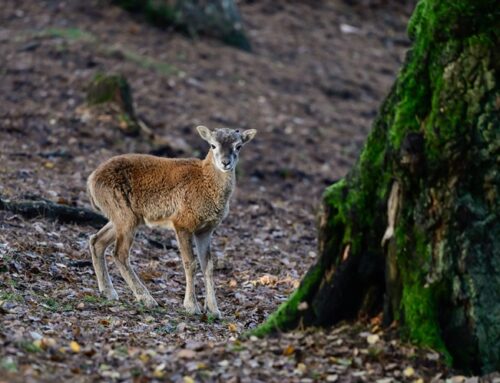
248 135
204 132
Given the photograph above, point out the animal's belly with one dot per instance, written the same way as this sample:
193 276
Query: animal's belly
165 223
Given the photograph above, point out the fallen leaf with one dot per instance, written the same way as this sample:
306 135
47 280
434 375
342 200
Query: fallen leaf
35 335
76 331
433 356
232 327
158 372
104 322
347 29
408 372
144 357
224 363
48 342
268 280
188 379
343 362
302 367
186 354
111 374
74 346
372 339
289 350
38 343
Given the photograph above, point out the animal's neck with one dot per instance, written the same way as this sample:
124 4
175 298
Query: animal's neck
224 181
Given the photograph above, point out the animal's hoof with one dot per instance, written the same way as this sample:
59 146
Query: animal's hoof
212 309
215 313
148 301
192 308
110 294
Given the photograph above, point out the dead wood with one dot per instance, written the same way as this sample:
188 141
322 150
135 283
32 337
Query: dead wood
54 212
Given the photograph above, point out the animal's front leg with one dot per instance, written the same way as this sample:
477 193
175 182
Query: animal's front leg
185 241
203 247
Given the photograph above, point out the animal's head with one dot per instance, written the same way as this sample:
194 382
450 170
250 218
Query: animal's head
225 145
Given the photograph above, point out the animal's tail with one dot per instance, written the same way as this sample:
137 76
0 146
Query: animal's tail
90 194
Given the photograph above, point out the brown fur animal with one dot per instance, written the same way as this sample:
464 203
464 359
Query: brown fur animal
190 196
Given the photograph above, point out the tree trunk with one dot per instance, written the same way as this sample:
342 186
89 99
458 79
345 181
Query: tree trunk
414 229
216 18
220 19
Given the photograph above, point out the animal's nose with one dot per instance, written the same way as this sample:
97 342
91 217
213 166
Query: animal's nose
226 162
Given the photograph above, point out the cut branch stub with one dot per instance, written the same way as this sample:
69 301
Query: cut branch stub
115 90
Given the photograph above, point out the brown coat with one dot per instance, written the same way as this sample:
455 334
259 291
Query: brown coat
185 193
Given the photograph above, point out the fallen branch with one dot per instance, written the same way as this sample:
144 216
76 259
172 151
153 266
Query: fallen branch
54 212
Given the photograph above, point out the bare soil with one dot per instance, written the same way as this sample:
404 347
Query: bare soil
311 87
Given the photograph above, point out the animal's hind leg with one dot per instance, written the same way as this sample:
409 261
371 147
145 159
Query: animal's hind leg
98 244
124 240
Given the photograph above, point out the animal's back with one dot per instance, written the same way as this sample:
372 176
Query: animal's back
139 182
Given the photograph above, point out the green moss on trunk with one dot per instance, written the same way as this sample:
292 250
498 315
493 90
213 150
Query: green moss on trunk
114 89
437 136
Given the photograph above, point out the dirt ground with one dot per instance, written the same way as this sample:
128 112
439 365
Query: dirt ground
311 87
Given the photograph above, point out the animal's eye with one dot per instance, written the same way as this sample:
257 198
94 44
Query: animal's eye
238 147
213 146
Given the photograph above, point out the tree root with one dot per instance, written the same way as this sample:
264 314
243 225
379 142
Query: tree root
54 212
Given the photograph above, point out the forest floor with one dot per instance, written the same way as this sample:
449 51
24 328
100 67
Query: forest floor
312 86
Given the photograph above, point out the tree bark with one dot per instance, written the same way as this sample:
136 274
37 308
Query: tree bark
413 230
115 89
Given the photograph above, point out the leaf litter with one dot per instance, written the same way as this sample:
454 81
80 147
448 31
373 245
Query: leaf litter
312 106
